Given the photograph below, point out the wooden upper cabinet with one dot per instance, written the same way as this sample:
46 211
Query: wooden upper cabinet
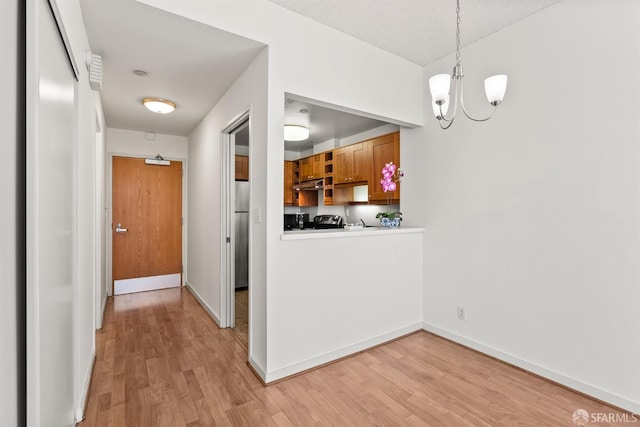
242 168
383 149
312 167
288 183
357 164
306 168
318 166
361 162
342 165
351 164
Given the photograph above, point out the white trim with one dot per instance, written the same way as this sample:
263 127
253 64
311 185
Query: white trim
339 353
557 377
79 412
65 38
98 215
148 283
227 253
204 305
344 233
227 250
32 219
257 368
103 310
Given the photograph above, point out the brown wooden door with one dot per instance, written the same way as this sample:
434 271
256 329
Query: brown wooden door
147 202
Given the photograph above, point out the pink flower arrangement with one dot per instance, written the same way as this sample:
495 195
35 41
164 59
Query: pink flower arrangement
389 177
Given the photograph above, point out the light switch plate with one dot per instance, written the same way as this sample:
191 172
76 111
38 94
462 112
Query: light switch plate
256 215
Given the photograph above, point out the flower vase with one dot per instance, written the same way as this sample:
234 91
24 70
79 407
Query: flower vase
390 223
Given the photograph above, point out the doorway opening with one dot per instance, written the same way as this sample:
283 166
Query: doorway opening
238 186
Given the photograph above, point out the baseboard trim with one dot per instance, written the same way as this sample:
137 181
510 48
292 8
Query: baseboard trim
341 353
553 376
257 370
204 305
103 310
81 410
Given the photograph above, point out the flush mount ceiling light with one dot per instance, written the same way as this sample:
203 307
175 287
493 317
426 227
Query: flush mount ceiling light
494 86
295 133
159 105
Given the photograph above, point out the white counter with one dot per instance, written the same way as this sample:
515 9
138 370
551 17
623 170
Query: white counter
342 233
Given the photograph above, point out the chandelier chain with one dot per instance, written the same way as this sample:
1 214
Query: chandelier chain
457 31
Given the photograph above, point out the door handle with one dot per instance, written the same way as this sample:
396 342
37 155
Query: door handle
120 230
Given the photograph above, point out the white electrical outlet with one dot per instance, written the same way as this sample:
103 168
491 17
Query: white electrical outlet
462 314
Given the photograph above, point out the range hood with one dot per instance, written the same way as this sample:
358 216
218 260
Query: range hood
313 185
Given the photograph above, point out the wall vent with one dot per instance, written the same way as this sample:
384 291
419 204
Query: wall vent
94 65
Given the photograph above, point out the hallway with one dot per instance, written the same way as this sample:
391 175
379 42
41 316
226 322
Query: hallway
161 361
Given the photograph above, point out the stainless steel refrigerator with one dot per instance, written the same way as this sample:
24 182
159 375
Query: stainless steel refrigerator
242 234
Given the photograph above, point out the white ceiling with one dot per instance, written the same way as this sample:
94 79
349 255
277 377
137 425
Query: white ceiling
188 63
323 123
193 64
421 31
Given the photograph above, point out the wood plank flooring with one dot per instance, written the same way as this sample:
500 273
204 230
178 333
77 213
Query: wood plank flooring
241 328
161 361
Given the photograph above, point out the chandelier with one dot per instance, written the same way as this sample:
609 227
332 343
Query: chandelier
494 86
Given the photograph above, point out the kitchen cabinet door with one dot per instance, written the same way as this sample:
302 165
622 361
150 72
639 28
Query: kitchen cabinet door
342 165
360 161
383 150
306 168
242 168
318 166
288 183
351 164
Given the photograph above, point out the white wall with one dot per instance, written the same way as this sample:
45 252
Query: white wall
11 189
341 296
100 215
533 218
204 271
326 63
311 73
135 143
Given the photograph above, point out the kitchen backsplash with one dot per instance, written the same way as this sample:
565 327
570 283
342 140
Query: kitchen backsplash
351 214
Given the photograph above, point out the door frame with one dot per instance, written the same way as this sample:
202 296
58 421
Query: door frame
109 213
227 249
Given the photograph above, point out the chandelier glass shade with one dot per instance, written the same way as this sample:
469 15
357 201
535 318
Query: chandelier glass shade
440 84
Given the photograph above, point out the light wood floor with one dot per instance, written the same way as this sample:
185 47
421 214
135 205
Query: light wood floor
161 361
241 328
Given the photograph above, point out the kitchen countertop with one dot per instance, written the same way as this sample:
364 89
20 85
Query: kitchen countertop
339 233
